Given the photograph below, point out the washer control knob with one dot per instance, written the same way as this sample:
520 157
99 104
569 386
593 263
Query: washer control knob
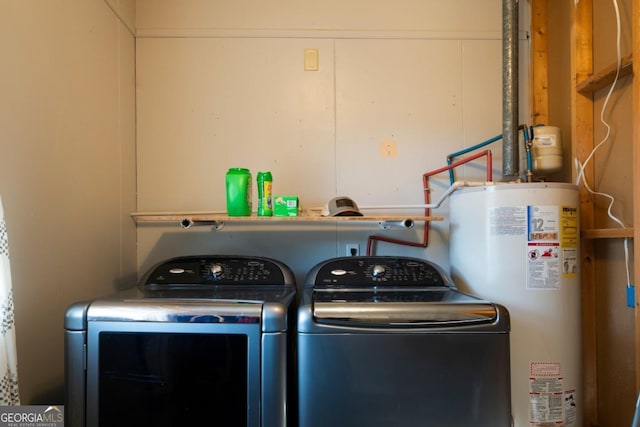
216 271
378 270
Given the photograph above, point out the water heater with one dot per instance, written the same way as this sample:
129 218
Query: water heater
518 245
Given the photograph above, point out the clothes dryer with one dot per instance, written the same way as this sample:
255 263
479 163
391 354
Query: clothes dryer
203 340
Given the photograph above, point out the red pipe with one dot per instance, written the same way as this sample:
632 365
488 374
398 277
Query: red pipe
427 201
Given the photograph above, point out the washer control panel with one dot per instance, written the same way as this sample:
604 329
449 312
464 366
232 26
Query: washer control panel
218 270
376 271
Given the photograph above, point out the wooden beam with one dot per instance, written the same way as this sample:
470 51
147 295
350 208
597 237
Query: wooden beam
636 177
539 63
581 146
607 233
606 76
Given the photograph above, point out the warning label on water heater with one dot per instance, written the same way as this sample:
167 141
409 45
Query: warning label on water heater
543 247
546 394
551 234
569 240
552 245
549 403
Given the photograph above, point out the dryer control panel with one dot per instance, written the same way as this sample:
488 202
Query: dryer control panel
377 271
218 270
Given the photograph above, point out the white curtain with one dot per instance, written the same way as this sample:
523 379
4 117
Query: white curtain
9 395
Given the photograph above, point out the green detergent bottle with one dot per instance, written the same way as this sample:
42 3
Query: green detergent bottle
265 198
239 195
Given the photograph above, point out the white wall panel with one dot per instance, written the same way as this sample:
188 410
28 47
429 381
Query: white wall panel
482 82
206 105
406 91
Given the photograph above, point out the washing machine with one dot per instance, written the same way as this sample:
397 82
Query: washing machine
390 341
203 340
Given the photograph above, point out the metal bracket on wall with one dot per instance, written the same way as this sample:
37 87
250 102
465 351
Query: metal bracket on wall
188 222
387 225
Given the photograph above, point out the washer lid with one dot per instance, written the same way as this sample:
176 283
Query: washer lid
400 307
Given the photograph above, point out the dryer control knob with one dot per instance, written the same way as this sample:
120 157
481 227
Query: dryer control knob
216 271
378 271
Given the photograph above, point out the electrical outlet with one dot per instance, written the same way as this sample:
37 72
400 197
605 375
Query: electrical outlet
353 249
311 62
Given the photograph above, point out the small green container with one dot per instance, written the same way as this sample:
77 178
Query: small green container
239 194
265 194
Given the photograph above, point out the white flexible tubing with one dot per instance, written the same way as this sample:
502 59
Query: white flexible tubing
456 185
580 166
604 106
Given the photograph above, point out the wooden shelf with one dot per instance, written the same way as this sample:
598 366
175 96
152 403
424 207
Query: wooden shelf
186 219
605 77
607 233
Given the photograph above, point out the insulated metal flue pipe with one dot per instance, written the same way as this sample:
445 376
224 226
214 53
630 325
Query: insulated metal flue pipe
510 81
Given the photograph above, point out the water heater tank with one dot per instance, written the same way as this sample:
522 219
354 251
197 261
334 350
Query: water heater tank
518 245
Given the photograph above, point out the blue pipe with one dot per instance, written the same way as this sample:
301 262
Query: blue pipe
528 136
466 150
527 132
